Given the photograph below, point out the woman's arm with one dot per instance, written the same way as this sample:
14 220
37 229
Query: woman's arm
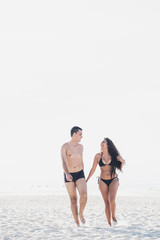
95 162
120 159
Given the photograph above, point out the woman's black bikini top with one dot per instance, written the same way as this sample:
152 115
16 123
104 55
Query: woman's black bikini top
101 163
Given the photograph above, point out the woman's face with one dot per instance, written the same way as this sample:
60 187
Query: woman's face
104 144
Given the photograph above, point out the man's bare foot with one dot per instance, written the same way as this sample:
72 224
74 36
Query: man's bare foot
78 225
82 219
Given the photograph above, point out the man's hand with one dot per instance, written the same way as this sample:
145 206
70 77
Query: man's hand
69 177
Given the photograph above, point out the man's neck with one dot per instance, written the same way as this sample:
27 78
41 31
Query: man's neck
73 143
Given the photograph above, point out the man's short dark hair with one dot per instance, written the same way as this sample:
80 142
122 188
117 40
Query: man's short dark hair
75 130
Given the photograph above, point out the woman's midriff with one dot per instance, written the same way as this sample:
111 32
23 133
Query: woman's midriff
107 175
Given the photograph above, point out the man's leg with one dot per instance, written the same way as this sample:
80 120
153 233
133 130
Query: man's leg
71 188
82 189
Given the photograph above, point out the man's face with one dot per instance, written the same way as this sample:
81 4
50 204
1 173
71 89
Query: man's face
78 136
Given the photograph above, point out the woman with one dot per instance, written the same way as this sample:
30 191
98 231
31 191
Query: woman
109 160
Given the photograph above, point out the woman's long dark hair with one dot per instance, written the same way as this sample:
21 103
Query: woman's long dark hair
114 153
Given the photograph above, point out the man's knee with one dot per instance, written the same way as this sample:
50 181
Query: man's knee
106 202
83 196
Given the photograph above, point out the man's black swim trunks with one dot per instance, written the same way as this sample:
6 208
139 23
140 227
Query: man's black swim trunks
75 176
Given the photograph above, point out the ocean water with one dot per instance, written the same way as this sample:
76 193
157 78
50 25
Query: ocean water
39 217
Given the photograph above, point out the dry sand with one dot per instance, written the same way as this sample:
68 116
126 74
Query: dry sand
49 217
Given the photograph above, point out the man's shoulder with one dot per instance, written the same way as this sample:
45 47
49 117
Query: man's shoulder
65 145
80 145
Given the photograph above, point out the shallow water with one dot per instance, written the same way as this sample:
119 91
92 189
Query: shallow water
49 217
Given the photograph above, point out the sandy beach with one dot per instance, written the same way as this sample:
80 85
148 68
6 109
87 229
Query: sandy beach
40 217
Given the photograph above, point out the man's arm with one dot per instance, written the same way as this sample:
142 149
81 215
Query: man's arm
63 155
82 158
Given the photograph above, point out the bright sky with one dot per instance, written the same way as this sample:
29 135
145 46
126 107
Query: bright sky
94 64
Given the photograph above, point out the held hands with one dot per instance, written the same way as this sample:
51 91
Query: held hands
69 177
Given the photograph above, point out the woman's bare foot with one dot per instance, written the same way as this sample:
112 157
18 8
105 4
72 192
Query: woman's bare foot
114 219
82 219
109 223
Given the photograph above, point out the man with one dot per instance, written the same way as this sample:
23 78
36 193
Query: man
72 160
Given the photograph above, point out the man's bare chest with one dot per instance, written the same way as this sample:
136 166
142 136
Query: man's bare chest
72 153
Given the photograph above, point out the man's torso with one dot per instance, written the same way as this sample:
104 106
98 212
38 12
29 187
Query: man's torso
74 157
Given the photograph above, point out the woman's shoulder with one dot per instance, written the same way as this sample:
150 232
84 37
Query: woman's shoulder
98 156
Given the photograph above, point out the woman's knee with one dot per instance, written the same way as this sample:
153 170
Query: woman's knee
112 201
73 200
106 202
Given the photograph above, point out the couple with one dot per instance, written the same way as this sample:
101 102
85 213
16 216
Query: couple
108 160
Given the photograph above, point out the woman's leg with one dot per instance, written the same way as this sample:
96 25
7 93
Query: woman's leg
104 191
113 187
